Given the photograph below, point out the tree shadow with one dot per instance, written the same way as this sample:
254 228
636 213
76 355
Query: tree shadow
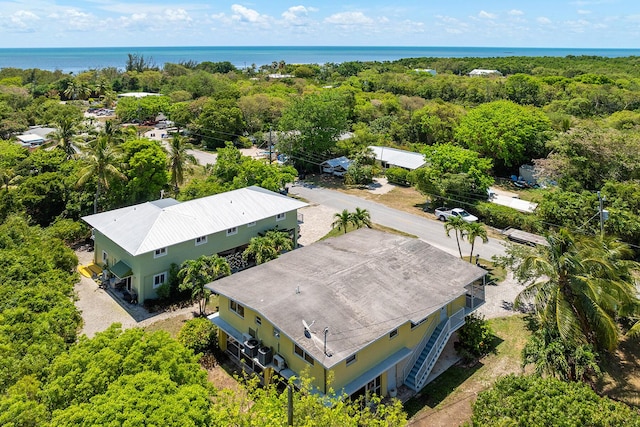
438 390
621 373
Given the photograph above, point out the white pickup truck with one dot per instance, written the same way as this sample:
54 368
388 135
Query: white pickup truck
443 214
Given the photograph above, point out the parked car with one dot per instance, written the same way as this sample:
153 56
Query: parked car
443 214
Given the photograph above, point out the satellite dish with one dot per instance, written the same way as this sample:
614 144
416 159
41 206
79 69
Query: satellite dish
307 328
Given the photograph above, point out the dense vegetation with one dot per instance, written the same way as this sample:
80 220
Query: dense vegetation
575 118
532 401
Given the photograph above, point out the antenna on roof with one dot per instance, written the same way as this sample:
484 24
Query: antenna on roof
326 331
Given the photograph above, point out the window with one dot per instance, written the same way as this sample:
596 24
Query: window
236 308
415 325
281 216
351 359
276 333
303 354
251 224
105 257
159 279
231 231
201 240
258 320
393 333
160 252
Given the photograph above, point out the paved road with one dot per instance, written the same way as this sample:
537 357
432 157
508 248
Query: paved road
429 230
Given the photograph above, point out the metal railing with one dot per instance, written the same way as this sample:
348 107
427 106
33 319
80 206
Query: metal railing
418 350
453 323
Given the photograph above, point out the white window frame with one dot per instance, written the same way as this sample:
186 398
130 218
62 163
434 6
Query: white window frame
201 240
251 224
281 216
160 252
105 257
231 231
276 332
393 333
258 320
156 283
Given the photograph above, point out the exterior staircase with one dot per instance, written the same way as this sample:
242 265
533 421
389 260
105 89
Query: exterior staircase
427 358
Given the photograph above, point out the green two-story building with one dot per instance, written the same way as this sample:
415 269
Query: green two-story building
138 244
366 312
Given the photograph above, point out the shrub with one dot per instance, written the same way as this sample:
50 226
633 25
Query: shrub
198 334
503 216
475 338
534 401
397 175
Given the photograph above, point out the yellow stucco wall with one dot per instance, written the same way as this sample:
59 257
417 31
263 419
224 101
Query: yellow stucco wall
342 374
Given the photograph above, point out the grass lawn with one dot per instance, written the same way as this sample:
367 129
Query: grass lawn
448 399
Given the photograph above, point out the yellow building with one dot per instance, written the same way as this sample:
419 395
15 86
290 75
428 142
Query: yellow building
368 309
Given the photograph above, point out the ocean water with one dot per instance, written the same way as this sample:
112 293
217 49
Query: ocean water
73 60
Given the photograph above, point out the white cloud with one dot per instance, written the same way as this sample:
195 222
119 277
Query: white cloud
515 12
176 15
298 16
349 18
244 14
486 15
583 12
543 20
77 20
23 20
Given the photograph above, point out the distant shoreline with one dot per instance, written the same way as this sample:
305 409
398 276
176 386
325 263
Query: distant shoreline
72 60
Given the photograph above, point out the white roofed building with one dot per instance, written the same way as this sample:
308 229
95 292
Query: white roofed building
138 244
392 157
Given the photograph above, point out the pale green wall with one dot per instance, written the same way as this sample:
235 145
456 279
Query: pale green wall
145 266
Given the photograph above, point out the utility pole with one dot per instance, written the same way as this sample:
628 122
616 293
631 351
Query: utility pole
290 405
604 214
270 145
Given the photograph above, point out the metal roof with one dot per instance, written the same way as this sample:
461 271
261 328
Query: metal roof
149 226
342 162
400 158
361 286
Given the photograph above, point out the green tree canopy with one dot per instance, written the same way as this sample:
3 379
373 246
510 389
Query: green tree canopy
506 132
313 124
534 401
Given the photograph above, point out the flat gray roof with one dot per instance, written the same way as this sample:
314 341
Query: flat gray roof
361 286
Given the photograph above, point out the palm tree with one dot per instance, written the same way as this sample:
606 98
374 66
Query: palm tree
579 286
361 217
475 230
280 240
100 165
268 247
194 274
178 158
342 220
458 224
260 249
66 134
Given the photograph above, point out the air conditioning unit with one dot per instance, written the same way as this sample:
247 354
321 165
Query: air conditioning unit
265 355
251 347
278 362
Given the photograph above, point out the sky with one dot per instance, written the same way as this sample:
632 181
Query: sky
490 23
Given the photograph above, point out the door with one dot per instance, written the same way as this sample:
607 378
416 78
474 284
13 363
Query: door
443 313
391 378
